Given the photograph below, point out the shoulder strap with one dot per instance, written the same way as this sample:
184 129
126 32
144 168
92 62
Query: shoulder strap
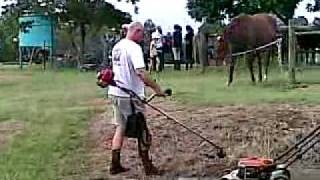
133 109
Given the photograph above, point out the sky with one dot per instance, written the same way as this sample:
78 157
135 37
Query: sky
169 12
162 12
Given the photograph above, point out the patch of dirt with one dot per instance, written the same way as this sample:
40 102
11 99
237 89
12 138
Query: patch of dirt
260 130
7 77
8 129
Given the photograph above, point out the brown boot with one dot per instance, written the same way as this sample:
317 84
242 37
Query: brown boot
116 167
149 168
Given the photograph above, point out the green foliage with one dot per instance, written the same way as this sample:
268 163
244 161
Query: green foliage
96 13
9 29
221 9
80 15
314 7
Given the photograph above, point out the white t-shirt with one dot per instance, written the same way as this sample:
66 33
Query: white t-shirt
127 56
158 39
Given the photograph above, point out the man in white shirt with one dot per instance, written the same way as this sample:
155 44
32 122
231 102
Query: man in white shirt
129 72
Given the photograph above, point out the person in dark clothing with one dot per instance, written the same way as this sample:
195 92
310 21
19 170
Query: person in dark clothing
189 47
177 46
168 45
149 28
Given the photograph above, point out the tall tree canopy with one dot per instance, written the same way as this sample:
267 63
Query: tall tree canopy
215 10
79 15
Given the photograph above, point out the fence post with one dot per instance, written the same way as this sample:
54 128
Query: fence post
20 57
292 52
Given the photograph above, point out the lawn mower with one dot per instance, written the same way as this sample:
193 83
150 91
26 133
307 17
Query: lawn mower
255 168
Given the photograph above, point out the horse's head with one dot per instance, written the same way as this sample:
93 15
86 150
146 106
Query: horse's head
223 50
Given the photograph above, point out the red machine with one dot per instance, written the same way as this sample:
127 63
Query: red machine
254 168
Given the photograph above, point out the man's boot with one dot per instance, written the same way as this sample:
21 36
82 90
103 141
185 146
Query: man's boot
149 168
116 167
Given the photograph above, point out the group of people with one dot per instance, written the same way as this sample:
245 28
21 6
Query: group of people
172 44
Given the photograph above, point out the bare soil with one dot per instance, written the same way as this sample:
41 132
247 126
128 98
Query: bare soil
243 130
8 129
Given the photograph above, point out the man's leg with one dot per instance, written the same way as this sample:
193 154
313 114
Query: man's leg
118 139
117 142
146 61
178 59
144 144
161 60
175 54
187 63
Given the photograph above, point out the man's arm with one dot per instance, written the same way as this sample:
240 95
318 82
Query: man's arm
145 77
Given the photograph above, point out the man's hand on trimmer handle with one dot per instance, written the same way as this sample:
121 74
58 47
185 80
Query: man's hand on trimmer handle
167 92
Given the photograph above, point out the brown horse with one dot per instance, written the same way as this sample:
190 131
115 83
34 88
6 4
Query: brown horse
244 33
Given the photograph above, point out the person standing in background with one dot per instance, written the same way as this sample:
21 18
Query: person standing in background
124 30
189 47
177 46
158 43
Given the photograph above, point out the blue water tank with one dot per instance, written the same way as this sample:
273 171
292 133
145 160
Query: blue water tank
41 33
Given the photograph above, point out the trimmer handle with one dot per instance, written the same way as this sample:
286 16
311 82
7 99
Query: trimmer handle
168 92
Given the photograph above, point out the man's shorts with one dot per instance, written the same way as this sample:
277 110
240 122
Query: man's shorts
122 109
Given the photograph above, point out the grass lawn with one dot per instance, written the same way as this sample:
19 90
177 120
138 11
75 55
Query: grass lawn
210 88
54 109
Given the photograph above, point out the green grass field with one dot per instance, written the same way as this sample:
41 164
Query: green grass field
210 88
55 110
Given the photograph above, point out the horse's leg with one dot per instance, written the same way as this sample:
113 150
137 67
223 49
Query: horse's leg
250 59
267 63
259 66
313 57
231 70
307 56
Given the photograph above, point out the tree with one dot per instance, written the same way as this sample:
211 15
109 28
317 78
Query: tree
218 10
9 29
81 15
94 14
315 7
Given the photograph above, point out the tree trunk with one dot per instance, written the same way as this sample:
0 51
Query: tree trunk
83 41
75 47
203 51
196 49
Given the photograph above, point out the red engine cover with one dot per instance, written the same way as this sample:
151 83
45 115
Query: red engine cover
255 162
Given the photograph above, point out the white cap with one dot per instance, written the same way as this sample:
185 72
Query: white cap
125 26
155 35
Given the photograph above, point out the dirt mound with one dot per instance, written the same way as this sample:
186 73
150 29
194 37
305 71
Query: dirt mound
264 130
